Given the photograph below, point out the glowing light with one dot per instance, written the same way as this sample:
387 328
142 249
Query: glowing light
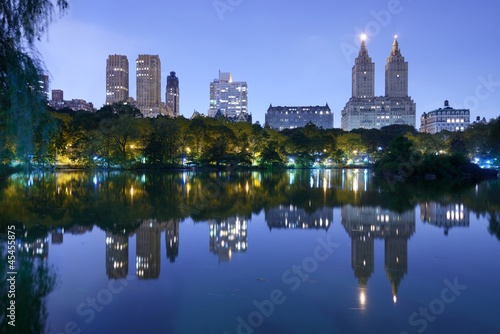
362 298
363 37
394 299
395 37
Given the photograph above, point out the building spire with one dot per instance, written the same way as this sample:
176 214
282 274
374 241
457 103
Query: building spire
395 52
363 51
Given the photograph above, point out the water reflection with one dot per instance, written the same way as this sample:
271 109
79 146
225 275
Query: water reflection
147 260
145 205
293 217
34 280
228 236
445 216
364 225
172 239
116 255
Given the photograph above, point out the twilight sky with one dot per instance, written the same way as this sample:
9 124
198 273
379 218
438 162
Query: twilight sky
290 52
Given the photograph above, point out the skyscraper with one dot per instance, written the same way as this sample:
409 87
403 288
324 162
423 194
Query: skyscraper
116 79
172 95
396 73
227 97
364 109
363 74
148 75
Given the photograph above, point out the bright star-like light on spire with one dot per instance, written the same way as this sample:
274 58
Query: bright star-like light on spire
363 37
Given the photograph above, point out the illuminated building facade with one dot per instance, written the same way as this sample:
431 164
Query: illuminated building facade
117 85
446 118
295 117
148 86
228 97
364 109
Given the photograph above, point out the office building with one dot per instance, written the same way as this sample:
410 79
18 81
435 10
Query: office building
446 118
117 85
228 98
364 109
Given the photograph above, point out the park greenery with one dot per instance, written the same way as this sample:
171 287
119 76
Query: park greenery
33 136
116 136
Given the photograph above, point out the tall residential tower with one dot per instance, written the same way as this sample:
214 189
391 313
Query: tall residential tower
148 75
363 74
172 95
116 79
396 73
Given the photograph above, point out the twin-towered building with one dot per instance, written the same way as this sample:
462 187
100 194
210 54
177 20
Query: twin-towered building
148 85
364 109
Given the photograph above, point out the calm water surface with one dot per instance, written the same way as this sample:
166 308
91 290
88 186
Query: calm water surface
295 252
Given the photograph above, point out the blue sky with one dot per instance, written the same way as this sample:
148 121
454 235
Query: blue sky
290 52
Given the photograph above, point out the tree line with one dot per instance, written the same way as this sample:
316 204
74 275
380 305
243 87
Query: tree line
117 137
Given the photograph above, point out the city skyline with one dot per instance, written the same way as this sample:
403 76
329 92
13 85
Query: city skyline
286 64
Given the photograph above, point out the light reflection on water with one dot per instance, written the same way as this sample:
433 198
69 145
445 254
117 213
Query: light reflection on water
256 252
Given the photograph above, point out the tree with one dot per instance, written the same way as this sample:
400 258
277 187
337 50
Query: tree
22 108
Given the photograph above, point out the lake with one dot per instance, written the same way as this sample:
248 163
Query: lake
298 251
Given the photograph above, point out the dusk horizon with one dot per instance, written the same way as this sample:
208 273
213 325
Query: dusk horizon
289 54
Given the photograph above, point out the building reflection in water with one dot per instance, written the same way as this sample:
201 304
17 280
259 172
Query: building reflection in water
228 236
172 239
57 236
444 215
116 255
293 217
38 247
364 225
147 260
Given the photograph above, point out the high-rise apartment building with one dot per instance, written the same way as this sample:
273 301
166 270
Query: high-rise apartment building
117 87
172 95
396 73
363 74
148 75
227 97
364 109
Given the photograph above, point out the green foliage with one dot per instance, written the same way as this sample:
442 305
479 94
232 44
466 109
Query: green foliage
24 125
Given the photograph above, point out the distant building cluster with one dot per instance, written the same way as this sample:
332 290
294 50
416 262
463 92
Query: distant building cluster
58 102
364 109
446 118
148 85
295 117
229 99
